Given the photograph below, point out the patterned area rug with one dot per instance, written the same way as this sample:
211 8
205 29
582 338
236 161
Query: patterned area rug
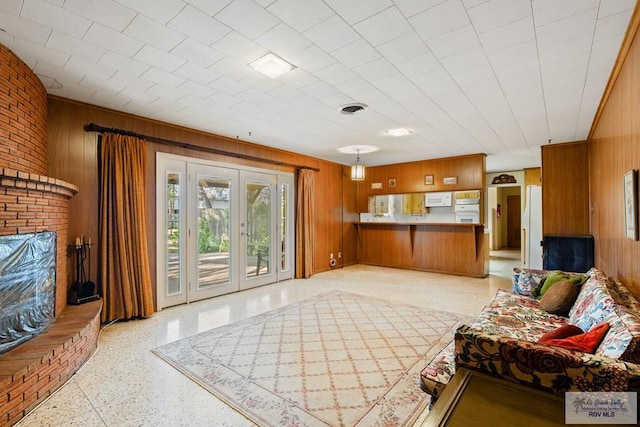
338 359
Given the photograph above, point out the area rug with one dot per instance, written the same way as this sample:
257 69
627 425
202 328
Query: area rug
338 359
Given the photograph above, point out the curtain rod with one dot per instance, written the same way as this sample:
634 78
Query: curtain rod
92 127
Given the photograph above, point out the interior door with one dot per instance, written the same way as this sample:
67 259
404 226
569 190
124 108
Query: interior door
514 222
257 229
213 225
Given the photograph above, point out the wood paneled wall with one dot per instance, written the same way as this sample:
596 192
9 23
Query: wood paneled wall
565 189
410 177
614 149
73 158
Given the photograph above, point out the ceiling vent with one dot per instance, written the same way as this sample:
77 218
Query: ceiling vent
350 109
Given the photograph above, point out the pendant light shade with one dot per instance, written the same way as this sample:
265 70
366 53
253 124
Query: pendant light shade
357 169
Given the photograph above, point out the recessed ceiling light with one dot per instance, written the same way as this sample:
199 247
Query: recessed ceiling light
271 65
398 132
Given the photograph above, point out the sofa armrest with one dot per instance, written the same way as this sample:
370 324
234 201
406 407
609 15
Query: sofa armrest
542 366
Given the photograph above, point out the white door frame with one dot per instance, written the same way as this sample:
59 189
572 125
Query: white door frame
186 167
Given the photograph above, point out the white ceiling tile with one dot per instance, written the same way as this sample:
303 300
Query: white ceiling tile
311 59
301 14
613 7
354 11
285 93
611 25
419 65
112 40
547 11
358 53
247 18
199 26
152 33
335 74
454 42
468 4
167 95
210 7
228 85
160 11
567 28
298 78
518 70
440 19
319 90
254 96
565 49
403 48
131 82
107 12
375 70
508 35
33 53
260 82
24 29
522 52
99 72
195 89
283 40
331 34
238 46
232 67
224 100
356 87
436 83
398 87
496 13
162 77
197 53
11 6
75 47
158 58
44 13
196 73
69 80
119 62
384 26
413 7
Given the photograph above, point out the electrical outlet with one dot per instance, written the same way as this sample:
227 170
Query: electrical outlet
339 254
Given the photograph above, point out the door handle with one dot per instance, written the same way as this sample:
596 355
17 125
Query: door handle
245 234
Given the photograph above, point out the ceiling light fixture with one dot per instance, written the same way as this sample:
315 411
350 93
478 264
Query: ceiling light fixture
399 132
271 65
357 169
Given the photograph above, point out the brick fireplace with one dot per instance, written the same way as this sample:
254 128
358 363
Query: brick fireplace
31 202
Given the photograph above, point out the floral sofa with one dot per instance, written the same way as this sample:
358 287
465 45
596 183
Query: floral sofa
503 340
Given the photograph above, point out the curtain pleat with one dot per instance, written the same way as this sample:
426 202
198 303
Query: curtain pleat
124 263
304 224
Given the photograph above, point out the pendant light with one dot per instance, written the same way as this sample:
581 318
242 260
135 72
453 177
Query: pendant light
357 169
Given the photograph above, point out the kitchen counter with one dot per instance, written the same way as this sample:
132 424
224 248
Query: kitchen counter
452 248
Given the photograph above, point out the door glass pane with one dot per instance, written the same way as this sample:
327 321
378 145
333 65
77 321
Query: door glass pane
258 231
172 227
214 229
284 226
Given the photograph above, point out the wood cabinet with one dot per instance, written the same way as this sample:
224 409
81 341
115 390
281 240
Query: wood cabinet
443 248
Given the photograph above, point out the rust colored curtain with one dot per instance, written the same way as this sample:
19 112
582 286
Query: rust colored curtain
124 264
304 224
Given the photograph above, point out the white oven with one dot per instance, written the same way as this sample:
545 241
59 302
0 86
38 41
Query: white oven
467 214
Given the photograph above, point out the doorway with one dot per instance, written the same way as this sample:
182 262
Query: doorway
220 228
514 222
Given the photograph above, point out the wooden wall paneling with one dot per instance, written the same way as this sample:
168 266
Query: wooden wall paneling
73 158
565 189
350 215
614 149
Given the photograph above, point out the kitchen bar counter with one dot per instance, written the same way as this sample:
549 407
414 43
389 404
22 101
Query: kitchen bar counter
452 248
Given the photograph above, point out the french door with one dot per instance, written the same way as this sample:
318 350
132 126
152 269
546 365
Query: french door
220 229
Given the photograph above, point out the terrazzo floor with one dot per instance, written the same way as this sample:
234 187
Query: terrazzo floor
125 384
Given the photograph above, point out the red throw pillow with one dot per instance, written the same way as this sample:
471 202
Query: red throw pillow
564 331
587 342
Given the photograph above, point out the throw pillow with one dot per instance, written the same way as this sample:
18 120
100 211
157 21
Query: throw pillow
564 331
587 342
559 298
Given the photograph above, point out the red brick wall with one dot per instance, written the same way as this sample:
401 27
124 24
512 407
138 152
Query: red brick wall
23 116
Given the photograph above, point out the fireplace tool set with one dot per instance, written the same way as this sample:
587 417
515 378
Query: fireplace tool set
83 289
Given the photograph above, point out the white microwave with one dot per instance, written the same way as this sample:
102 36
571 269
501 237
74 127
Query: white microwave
437 199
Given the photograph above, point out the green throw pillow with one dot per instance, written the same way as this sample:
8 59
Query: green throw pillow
554 277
